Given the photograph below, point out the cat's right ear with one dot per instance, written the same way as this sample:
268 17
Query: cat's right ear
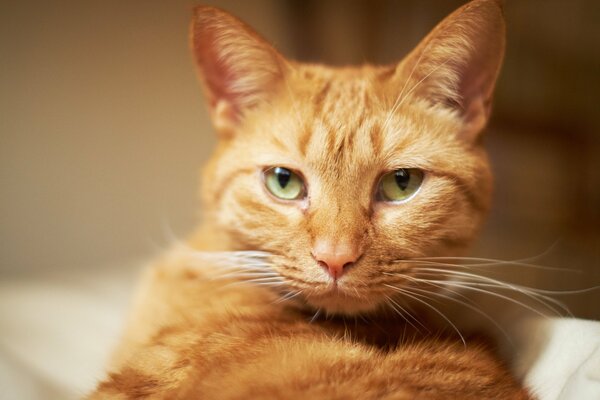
238 68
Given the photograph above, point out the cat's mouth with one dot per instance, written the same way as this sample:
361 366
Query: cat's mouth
350 295
318 291
338 297
309 285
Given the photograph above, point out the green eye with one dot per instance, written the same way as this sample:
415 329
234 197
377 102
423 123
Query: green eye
400 185
284 184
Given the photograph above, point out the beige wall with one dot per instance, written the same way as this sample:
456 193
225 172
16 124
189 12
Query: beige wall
103 128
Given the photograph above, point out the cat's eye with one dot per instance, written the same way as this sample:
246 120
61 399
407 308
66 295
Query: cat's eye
399 185
284 183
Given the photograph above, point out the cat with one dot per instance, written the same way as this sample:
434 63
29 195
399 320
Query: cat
333 204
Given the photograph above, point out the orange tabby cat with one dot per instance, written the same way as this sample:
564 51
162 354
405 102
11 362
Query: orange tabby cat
327 186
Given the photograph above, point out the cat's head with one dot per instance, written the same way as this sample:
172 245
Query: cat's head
344 173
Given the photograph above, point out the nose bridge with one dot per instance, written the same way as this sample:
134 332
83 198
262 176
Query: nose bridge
338 235
341 220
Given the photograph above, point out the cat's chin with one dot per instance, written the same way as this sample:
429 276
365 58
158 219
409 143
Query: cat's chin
341 304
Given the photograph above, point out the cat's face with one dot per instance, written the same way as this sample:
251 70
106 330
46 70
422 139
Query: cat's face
348 175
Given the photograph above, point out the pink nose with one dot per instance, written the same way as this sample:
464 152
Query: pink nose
335 257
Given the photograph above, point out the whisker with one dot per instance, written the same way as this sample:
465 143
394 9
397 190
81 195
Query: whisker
430 282
467 303
494 294
269 281
541 292
253 272
469 306
524 261
529 292
403 313
314 317
265 274
290 295
482 262
414 297
225 263
225 269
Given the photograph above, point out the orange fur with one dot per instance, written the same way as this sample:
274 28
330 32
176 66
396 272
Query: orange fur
195 333
238 344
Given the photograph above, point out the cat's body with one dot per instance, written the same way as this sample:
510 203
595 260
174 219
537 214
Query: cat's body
240 343
253 324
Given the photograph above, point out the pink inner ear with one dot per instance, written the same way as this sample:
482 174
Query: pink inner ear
476 115
476 89
458 62
225 80
236 65
214 73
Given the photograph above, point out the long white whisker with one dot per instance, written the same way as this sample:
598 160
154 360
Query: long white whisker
314 317
414 297
517 288
266 279
469 306
236 268
239 263
401 312
494 294
492 261
528 291
288 296
248 273
245 283
410 315
245 275
539 292
219 255
481 262
430 282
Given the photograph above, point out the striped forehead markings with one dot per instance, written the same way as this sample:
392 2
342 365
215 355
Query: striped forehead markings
341 108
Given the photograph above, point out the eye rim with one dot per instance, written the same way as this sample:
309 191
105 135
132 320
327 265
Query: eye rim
302 195
381 198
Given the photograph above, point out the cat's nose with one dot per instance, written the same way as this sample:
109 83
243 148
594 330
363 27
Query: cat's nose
335 257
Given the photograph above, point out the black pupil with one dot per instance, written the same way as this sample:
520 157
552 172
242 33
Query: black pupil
283 176
402 178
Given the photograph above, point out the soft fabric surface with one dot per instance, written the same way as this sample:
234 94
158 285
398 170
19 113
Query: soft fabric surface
56 330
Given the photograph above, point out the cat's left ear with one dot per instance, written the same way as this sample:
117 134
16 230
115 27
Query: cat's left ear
237 67
457 64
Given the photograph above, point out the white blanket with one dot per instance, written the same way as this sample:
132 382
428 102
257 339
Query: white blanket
56 331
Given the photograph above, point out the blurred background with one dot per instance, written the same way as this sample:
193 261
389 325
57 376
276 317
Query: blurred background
103 130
